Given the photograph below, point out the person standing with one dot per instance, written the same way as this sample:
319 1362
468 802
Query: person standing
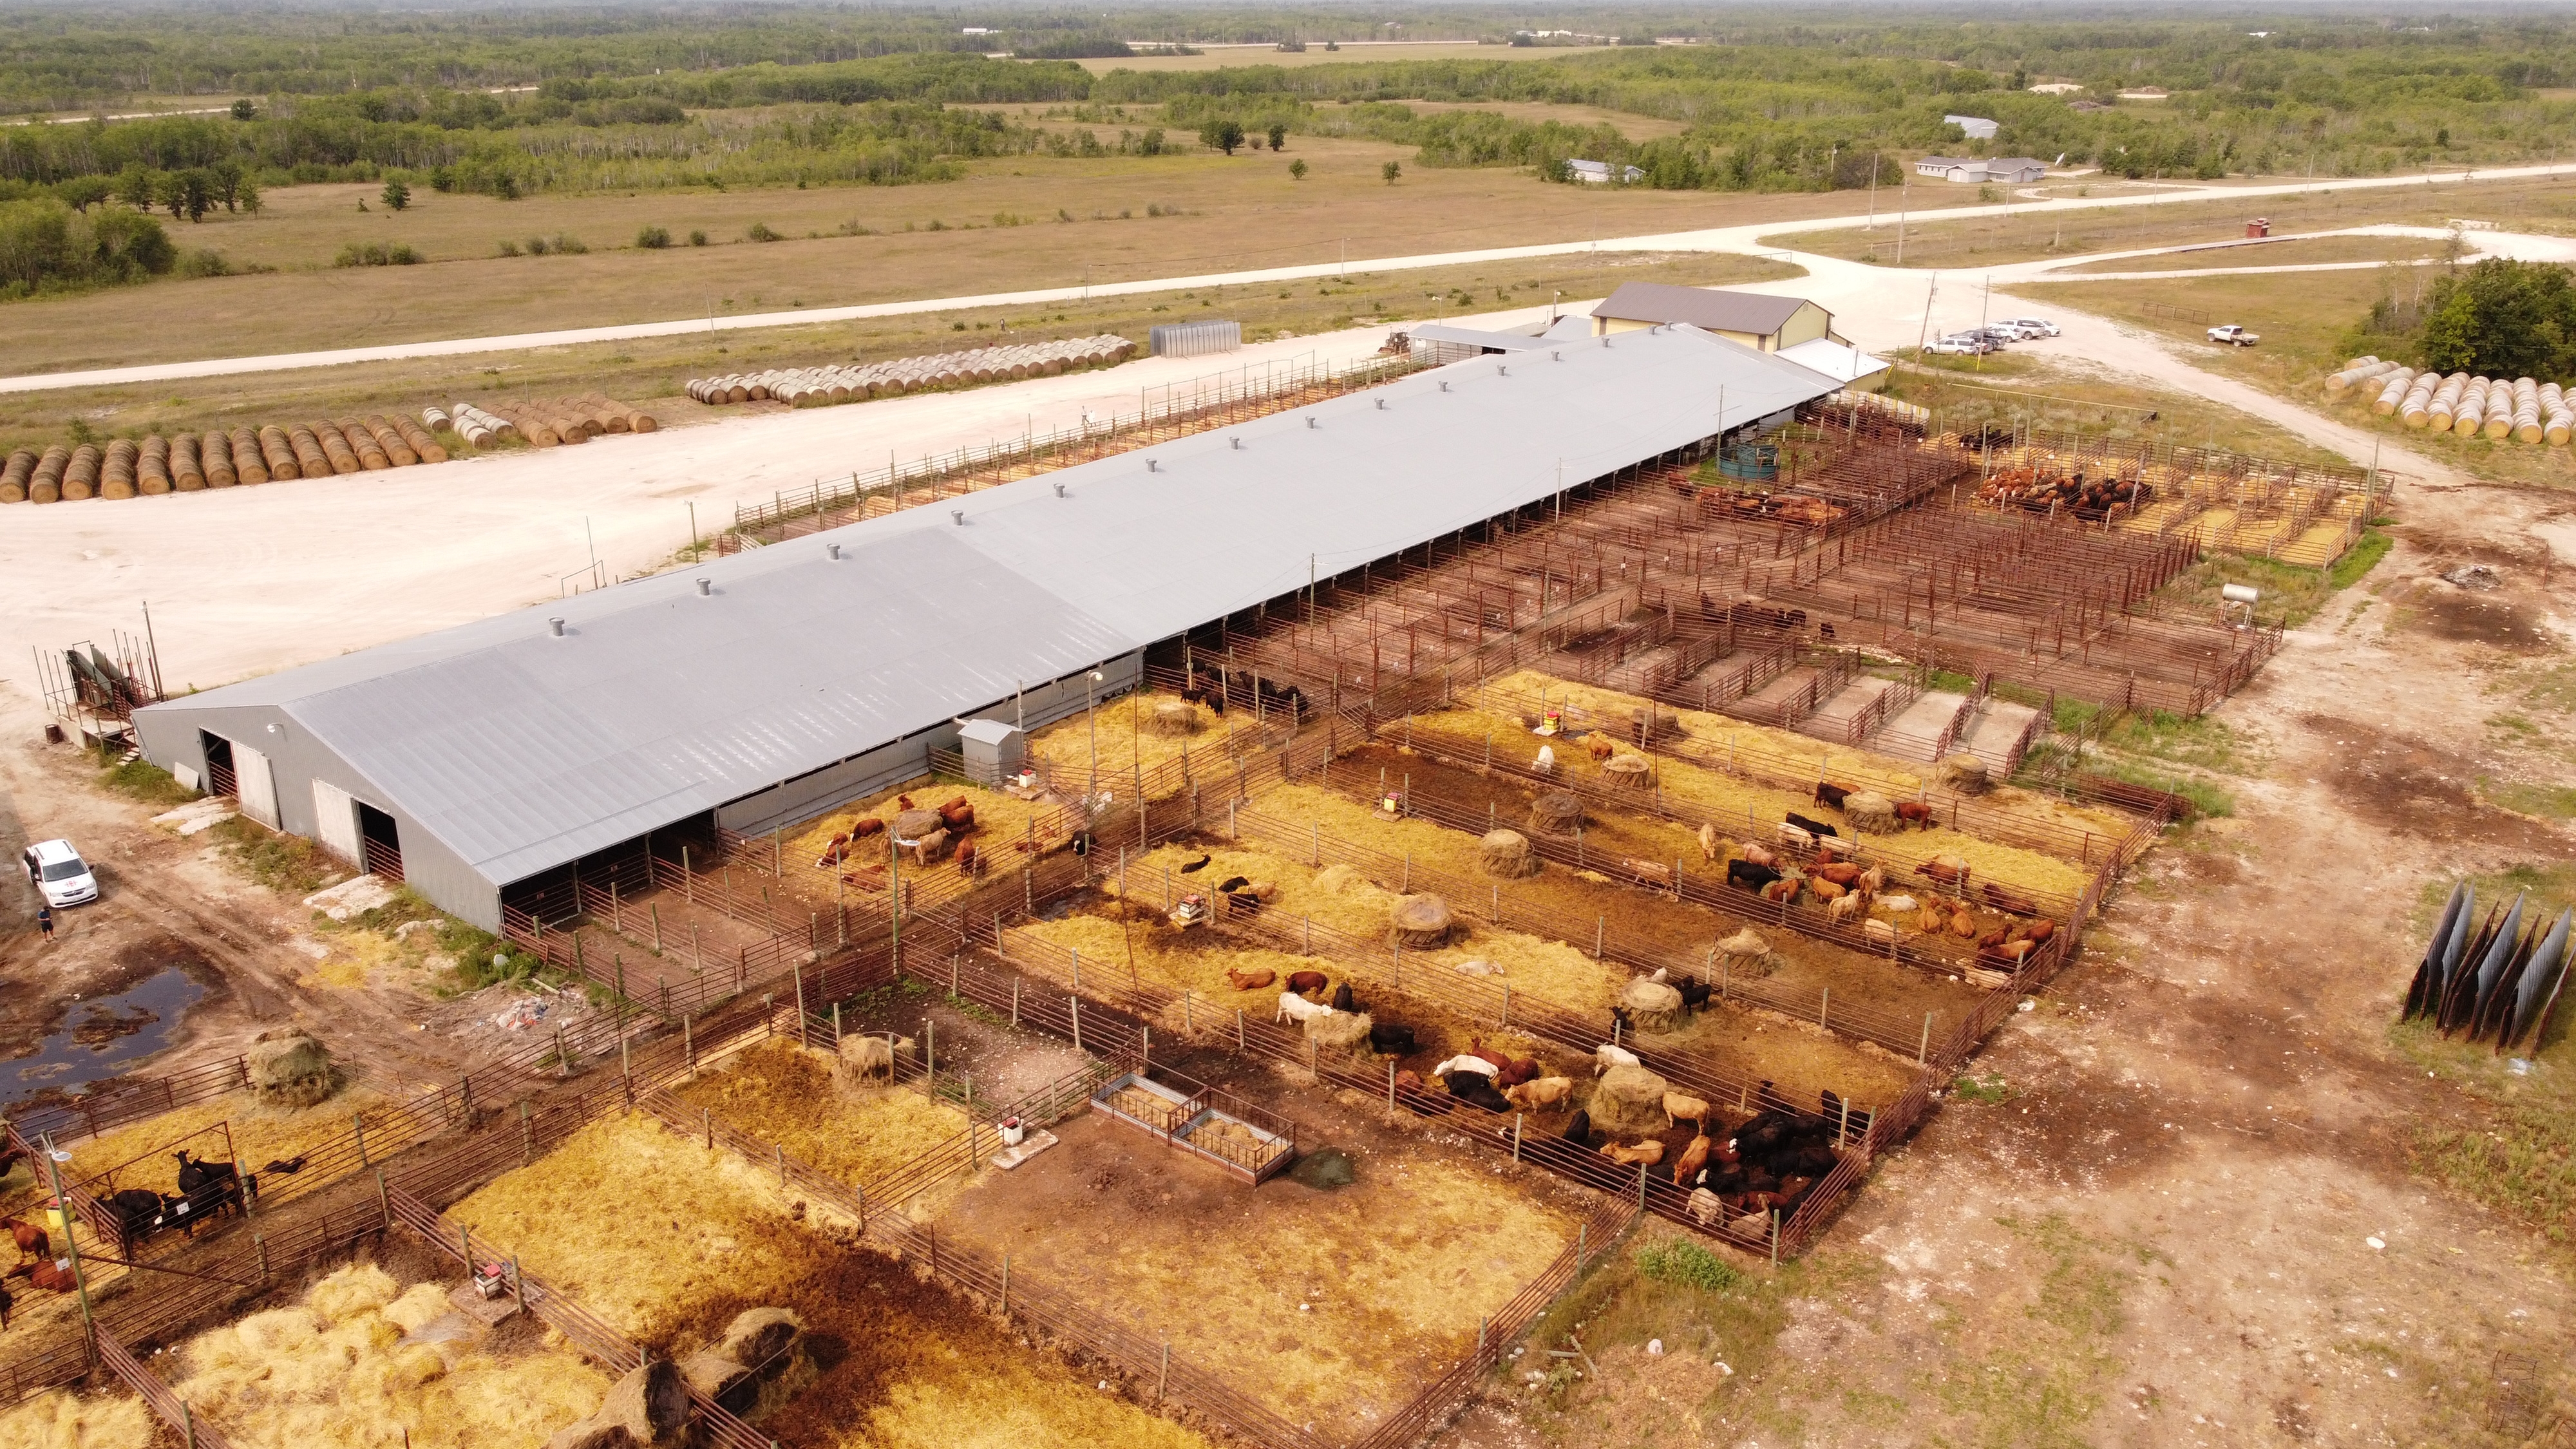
45 921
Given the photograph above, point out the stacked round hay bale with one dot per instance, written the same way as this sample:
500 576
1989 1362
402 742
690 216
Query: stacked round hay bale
648 1407
45 482
2557 414
1965 773
1628 1101
1421 923
2470 417
1652 1005
2356 372
390 441
116 469
1870 812
637 420
1747 953
2439 408
250 457
2394 388
337 455
290 1068
360 440
1173 719
2498 422
2526 410
1506 855
80 479
2415 407
188 463
14 478
277 455
423 446
760 1361
1557 812
152 469
528 425
1340 1034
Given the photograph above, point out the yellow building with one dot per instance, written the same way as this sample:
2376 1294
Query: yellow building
1757 320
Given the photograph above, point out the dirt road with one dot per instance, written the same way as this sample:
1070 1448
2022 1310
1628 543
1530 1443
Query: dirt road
2190 1218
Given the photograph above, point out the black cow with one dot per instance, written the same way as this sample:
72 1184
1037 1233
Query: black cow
1476 1088
1745 875
1812 827
209 1188
133 1215
1695 994
1831 794
1343 1000
1388 1039
1579 1131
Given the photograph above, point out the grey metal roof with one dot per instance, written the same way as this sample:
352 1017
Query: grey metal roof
520 750
1756 313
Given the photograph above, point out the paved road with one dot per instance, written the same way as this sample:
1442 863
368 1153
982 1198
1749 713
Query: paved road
1726 239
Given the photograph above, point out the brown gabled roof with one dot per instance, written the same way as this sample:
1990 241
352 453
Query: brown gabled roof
1708 308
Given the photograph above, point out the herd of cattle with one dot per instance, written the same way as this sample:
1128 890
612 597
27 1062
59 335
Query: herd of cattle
132 1217
2094 500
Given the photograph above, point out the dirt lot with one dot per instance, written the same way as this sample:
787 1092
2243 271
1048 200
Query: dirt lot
1330 1307
2177 1207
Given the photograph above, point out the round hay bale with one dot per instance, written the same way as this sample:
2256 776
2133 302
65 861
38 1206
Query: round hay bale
1628 1100
45 482
80 478
914 824
1629 772
289 1068
1652 1005
722 1380
1965 773
1557 812
1870 812
651 1404
1326 1169
1649 723
1344 1033
758 1335
1746 953
1422 922
1173 718
14 479
1506 855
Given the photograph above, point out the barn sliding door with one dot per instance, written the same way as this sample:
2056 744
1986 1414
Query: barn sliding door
335 822
253 786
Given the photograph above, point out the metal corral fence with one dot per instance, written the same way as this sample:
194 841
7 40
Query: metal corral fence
157 1396
113 1103
1206 403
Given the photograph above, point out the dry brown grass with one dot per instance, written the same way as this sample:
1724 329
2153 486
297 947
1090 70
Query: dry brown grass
1127 745
260 1135
2278 254
1225 56
784 1094
340 1369
62 1419
668 1241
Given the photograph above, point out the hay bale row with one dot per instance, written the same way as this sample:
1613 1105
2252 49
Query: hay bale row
2521 408
817 386
474 425
2393 387
193 462
2356 372
550 422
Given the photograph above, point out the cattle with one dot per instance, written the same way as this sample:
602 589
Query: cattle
1949 872
1541 1094
1343 1000
1293 1007
1479 1090
1833 795
1712 846
1545 763
1843 909
1695 994
1303 982
1745 875
1823 889
1679 1109
1913 813
862 829
1879 933
32 1242
132 1214
1250 980
2007 902
1522 1069
1647 872
958 815
288 1165
1578 1129
1200 864
1599 746
966 859
1784 890
1834 1108
1475 1064
1796 837
209 1187
1756 855
1608 1056
1812 827
5 1303
1388 1039
1693 1159
1476 1048
1706 1207
1646 1153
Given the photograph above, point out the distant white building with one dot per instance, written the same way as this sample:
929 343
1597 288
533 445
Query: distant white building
1598 172
974 30
1980 170
2056 88
1977 127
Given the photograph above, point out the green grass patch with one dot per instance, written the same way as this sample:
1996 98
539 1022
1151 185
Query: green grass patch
2550 802
2204 798
142 780
1989 1090
2200 742
2359 559
1943 679
277 860
2043 1387
1686 1263
2521 1163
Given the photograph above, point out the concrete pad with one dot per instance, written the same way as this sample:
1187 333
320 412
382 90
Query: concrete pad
351 897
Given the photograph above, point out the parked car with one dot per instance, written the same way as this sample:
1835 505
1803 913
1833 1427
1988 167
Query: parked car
1956 347
2034 326
59 874
1999 336
2233 336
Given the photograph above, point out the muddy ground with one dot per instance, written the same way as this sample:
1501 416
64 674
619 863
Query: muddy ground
2178 1209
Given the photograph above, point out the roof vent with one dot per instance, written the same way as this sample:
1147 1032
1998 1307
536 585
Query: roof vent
1381 404
1153 465
834 550
706 588
1059 490
556 627
1605 340
958 514
1238 444
1310 421
1556 357
1444 384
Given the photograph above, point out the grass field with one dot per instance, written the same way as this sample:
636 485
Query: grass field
2542 206
1223 57
2056 391
844 246
2312 252
652 370
2303 327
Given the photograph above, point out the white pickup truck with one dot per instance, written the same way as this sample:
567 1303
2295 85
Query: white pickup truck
2233 336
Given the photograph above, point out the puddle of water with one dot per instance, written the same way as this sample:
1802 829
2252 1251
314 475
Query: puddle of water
103 1035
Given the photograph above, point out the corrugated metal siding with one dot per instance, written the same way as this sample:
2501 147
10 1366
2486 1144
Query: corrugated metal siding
519 751
1195 339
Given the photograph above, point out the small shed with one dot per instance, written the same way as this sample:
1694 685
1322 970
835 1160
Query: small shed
2259 227
992 749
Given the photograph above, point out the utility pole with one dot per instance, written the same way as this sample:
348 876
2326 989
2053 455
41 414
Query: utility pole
1983 308
1873 189
1925 334
1904 194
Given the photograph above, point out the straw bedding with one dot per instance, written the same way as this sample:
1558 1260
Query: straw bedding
261 1135
999 820
1128 740
785 1095
65 1420
344 1368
